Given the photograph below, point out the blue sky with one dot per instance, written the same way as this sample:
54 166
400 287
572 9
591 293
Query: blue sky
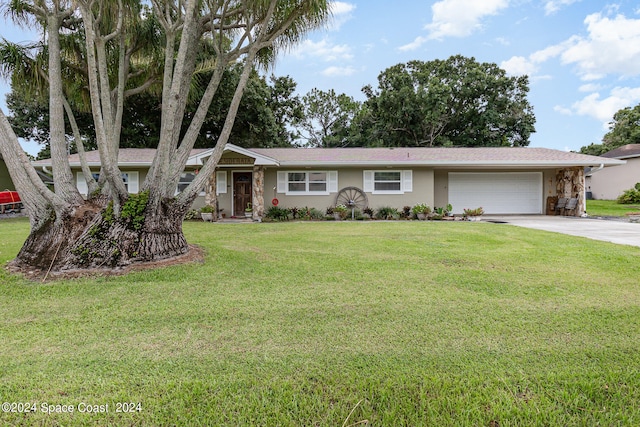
582 56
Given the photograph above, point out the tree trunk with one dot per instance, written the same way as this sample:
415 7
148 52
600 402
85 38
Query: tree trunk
93 238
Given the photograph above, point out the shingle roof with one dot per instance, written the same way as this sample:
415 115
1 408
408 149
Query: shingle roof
402 156
430 156
126 157
624 152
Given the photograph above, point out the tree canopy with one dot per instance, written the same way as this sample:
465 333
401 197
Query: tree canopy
326 118
623 130
263 120
99 54
453 102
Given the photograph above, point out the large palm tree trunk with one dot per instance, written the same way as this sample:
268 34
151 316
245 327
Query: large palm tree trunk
92 237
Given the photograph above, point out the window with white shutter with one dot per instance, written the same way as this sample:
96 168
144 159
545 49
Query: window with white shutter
388 181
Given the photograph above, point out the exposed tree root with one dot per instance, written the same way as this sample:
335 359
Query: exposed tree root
194 255
92 240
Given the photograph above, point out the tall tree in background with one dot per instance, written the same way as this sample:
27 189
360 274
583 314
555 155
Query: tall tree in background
286 107
112 228
623 130
264 115
453 102
326 118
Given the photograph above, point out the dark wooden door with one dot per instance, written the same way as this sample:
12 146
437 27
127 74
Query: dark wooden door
241 192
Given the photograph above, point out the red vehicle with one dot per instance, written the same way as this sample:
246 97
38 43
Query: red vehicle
10 202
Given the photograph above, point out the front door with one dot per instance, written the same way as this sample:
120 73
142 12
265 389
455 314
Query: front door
241 192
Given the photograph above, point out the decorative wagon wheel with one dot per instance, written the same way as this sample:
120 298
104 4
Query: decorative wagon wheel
353 198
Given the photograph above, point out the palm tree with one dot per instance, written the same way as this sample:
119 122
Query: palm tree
100 231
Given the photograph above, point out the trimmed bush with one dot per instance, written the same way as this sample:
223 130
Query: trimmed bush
630 196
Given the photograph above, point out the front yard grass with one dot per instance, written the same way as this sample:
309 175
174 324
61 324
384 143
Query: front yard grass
301 324
609 208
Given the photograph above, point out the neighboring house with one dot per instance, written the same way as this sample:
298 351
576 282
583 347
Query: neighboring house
609 183
5 180
501 180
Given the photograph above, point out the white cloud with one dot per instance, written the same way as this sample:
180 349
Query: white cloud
460 18
341 13
339 71
563 110
519 66
603 109
419 41
591 87
323 50
612 47
550 52
341 8
552 6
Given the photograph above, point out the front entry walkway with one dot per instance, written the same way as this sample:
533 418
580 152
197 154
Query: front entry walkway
620 232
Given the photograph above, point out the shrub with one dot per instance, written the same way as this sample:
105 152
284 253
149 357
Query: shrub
313 213
341 210
388 213
192 214
630 196
276 213
473 212
296 213
421 208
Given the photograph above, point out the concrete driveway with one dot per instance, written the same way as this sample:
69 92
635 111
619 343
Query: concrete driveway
620 232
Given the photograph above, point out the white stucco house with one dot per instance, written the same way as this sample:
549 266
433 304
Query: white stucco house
609 183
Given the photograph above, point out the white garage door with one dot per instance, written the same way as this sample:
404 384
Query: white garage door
497 193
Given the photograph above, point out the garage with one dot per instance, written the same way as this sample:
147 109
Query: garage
496 192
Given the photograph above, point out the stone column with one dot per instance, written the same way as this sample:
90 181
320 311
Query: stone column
570 184
578 190
258 192
210 197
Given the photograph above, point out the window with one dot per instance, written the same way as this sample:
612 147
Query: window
221 182
388 182
313 182
130 180
297 182
186 178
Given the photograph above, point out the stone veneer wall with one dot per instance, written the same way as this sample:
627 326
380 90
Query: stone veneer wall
258 192
210 198
570 183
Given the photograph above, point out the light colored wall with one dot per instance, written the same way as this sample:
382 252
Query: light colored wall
610 182
549 184
5 180
142 175
422 190
441 189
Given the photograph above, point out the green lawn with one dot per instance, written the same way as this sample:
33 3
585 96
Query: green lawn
335 323
609 208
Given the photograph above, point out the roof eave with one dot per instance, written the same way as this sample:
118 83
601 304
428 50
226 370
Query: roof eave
259 159
436 163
